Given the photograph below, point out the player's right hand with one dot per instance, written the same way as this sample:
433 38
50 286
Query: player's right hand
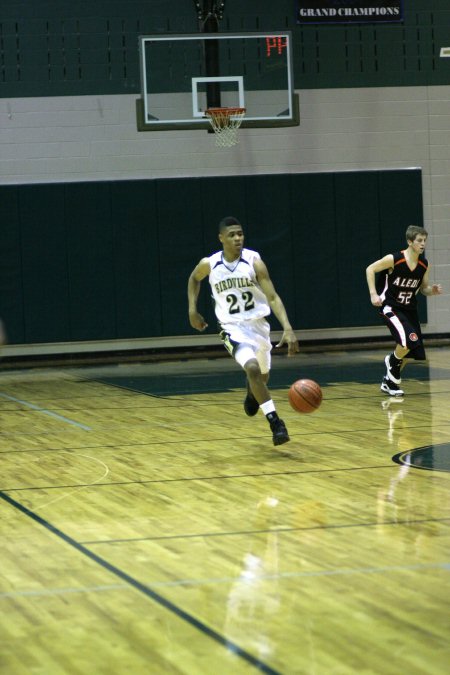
197 321
375 300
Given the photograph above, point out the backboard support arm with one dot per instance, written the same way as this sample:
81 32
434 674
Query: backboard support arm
208 11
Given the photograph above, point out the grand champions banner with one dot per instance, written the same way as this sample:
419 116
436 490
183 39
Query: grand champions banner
349 11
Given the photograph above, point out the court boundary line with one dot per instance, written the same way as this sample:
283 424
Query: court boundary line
339 434
444 566
197 478
274 530
142 588
192 478
37 408
62 591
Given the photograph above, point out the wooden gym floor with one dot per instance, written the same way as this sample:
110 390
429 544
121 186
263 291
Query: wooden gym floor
149 526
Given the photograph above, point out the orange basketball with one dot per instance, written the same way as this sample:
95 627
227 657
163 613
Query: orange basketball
305 396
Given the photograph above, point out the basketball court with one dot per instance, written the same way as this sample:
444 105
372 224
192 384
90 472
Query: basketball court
148 525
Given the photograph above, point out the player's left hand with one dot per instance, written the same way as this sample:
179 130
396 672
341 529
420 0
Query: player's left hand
290 339
436 289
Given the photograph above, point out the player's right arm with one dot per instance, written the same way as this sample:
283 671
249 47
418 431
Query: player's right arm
197 275
385 263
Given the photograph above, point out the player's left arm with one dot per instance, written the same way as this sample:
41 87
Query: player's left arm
429 289
277 307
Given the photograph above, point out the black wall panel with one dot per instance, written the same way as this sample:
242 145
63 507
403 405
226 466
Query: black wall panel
180 225
357 234
314 250
92 283
108 260
396 210
44 263
11 286
221 196
136 258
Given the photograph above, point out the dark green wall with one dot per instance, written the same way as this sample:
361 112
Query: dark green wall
106 260
76 47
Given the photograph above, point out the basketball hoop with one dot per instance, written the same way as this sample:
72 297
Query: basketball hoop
225 122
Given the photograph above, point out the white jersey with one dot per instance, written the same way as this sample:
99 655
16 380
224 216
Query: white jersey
235 290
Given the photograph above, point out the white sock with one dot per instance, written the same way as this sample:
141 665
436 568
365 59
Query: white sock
267 407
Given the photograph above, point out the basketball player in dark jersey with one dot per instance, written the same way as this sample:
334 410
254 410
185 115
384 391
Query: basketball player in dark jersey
401 276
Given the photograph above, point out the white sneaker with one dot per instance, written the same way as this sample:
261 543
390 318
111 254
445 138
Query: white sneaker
389 387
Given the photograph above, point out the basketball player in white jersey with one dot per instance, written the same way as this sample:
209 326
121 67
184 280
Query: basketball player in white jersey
402 275
244 295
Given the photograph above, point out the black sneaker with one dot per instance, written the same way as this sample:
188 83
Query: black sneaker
279 432
391 388
251 405
393 368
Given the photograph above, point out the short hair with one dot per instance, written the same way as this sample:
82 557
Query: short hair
413 231
227 222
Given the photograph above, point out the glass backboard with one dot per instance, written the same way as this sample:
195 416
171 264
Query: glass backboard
183 75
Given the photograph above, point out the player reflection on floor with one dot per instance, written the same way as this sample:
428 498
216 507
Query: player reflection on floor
254 596
400 503
398 440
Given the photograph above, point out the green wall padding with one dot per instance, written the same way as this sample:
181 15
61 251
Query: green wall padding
357 233
180 246
11 286
92 282
45 278
315 250
110 260
136 258
394 208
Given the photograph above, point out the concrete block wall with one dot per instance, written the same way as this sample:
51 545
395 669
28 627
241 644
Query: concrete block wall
95 138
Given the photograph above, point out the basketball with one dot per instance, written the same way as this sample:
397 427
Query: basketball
305 396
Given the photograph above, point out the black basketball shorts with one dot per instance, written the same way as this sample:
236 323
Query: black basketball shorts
405 329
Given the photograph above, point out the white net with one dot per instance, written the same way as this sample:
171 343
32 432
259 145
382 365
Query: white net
225 122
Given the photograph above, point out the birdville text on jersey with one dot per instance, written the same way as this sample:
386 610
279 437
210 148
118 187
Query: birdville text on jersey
234 282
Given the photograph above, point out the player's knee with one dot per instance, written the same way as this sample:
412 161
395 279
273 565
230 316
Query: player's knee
252 369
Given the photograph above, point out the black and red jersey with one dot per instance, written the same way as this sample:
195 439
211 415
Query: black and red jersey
398 286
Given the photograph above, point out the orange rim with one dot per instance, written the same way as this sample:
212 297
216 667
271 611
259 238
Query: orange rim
224 111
